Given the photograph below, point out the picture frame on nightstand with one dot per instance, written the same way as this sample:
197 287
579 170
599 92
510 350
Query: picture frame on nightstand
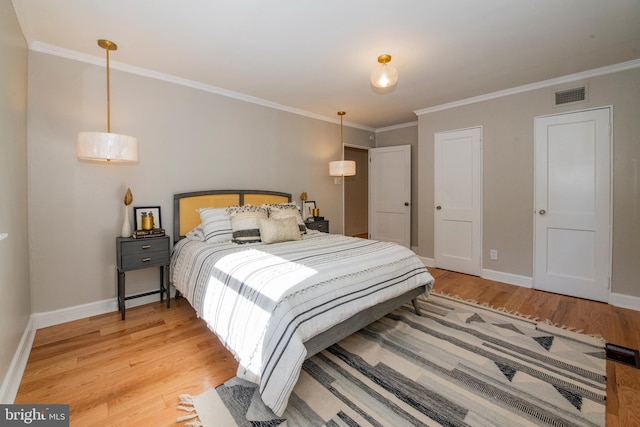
155 211
307 209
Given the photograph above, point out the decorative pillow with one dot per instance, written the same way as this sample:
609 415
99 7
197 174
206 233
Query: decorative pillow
286 210
196 234
245 223
216 225
279 230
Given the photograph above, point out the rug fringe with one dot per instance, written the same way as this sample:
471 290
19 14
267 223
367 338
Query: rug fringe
186 404
599 338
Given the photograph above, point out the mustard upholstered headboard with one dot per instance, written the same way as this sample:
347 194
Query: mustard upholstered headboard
186 205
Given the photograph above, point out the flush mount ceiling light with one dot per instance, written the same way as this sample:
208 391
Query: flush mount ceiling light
107 146
384 75
342 167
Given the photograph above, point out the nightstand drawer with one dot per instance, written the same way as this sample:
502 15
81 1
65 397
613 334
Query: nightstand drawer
142 246
322 226
144 259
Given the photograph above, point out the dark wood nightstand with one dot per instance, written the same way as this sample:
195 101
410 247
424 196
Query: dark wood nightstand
134 254
321 225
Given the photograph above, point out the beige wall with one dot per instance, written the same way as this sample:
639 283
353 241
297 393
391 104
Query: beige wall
14 257
406 136
189 140
508 172
356 193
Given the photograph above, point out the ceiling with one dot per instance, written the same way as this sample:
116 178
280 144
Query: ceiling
315 57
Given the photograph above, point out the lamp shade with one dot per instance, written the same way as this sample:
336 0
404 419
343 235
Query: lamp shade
109 147
342 168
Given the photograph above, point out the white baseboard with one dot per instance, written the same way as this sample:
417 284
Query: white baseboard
511 279
12 380
37 321
428 262
619 300
625 301
56 317
498 276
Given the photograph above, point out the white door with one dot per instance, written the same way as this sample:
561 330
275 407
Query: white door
390 194
458 200
572 204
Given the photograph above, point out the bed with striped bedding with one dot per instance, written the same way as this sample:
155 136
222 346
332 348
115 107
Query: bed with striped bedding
265 301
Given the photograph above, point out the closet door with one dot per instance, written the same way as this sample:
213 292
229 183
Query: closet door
572 204
458 200
390 194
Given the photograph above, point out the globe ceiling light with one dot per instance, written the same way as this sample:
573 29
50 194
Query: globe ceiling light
384 75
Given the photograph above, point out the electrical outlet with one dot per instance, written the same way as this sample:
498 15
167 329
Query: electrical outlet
493 254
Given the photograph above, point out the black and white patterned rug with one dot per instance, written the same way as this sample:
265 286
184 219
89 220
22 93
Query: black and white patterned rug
459 365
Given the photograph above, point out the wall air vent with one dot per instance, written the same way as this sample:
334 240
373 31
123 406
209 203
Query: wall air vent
571 95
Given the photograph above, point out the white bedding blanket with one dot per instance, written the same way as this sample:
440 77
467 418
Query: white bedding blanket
264 301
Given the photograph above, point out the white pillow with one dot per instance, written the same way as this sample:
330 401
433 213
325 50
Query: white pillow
245 223
279 230
286 210
216 225
196 234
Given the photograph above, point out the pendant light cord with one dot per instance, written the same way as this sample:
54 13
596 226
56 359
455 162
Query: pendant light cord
341 113
341 140
108 95
108 45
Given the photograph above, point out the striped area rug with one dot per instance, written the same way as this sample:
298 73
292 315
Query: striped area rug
459 365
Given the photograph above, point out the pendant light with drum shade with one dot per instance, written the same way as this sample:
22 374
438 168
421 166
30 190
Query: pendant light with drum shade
342 167
107 146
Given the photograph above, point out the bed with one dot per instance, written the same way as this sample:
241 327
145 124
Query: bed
275 304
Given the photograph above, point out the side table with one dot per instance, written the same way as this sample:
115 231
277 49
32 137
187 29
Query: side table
134 254
320 225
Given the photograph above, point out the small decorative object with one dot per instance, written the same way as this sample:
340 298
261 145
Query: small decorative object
147 218
316 213
307 209
147 221
144 234
126 225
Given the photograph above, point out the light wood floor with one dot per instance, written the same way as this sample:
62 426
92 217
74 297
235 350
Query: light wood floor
362 235
130 373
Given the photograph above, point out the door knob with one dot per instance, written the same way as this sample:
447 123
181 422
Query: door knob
542 212
406 203
438 207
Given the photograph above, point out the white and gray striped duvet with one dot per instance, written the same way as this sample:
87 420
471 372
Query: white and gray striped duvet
264 301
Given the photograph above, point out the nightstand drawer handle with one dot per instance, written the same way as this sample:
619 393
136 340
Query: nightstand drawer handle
146 246
146 259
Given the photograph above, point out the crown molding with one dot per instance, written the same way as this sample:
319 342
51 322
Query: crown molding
533 86
115 65
394 127
40 47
